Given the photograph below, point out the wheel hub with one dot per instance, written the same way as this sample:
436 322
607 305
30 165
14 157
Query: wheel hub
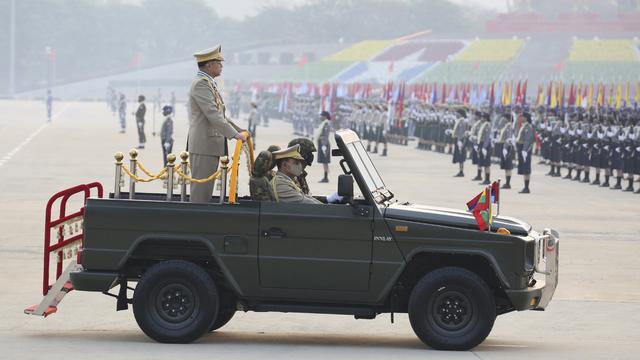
175 303
451 311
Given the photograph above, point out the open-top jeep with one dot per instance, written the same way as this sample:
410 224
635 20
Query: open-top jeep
195 265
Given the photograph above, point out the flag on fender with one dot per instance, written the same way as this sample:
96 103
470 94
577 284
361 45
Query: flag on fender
480 207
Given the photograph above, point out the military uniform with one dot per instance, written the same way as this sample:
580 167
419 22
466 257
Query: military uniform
166 134
140 113
209 128
284 187
524 145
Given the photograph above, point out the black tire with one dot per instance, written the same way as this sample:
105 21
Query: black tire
224 316
452 309
226 311
176 301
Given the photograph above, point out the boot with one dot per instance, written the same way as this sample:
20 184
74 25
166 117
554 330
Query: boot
507 185
597 180
459 174
586 177
558 174
606 181
526 188
630 186
568 176
486 179
325 179
478 177
552 171
368 147
384 152
375 149
618 186
578 173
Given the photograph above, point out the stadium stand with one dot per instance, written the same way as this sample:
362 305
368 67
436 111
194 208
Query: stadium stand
608 59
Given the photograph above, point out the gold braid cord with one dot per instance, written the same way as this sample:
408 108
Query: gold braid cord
160 175
213 176
144 170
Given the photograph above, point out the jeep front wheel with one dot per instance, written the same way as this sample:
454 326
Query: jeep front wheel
452 309
176 301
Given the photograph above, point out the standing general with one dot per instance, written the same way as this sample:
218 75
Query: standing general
209 128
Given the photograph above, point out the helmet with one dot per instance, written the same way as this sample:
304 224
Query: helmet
262 163
307 148
167 109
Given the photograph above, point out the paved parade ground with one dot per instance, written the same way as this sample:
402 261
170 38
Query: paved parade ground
595 313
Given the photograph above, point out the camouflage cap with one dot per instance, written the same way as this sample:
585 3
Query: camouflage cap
307 148
262 163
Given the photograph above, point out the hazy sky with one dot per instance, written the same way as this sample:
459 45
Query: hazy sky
241 8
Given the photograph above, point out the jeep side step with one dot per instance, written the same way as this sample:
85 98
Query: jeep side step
49 304
356 311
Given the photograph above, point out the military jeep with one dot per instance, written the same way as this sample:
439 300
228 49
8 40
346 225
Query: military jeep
195 265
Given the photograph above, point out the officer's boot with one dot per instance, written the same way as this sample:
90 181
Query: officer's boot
384 152
597 180
578 173
507 185
558 174
568 176
478 177
606 181
486 181
551 171
525 190
618 184
630 186
586 177
368 147
325 179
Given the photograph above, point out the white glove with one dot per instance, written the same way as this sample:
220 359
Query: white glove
618 149
484 152
475 147
606 147
585 146
524 155
504 152
638 149
166 145
334 198
459 144
139 125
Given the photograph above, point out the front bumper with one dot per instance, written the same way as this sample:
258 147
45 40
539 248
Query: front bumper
538 296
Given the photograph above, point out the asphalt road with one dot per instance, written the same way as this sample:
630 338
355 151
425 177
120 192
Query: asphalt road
595 313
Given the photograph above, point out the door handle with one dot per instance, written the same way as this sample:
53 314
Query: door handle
274 233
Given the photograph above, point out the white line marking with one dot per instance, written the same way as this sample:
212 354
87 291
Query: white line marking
26 141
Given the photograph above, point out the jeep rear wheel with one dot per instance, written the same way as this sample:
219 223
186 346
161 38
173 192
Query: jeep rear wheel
176 301
451 309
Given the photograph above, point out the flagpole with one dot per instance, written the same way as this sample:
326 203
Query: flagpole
490 214
498 202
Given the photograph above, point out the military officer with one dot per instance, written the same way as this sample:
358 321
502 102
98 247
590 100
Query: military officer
507 150
253 120
524 144
484 148
290 165
306 150
209 128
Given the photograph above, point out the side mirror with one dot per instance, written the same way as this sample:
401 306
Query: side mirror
345 186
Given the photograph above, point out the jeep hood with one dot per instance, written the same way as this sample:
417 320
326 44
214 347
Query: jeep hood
451 217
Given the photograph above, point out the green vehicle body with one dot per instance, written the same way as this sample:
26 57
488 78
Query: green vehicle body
359 259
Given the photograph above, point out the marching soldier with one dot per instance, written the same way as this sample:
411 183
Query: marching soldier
253 120
484 148
140 112
524 143
459 148
507 152
166 133
629 154
49 105
324 146
209 128
122 113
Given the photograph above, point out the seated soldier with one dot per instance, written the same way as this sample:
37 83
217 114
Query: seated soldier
261 175
290 165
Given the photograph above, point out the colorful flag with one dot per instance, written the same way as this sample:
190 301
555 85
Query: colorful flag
480 206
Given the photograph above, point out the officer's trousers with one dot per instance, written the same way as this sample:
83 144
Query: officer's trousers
202 166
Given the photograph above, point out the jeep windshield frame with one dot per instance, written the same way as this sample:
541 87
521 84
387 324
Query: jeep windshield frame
362 168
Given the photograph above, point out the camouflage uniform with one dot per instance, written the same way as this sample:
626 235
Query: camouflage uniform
260 183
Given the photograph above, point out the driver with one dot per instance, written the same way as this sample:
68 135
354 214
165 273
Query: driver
290 164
